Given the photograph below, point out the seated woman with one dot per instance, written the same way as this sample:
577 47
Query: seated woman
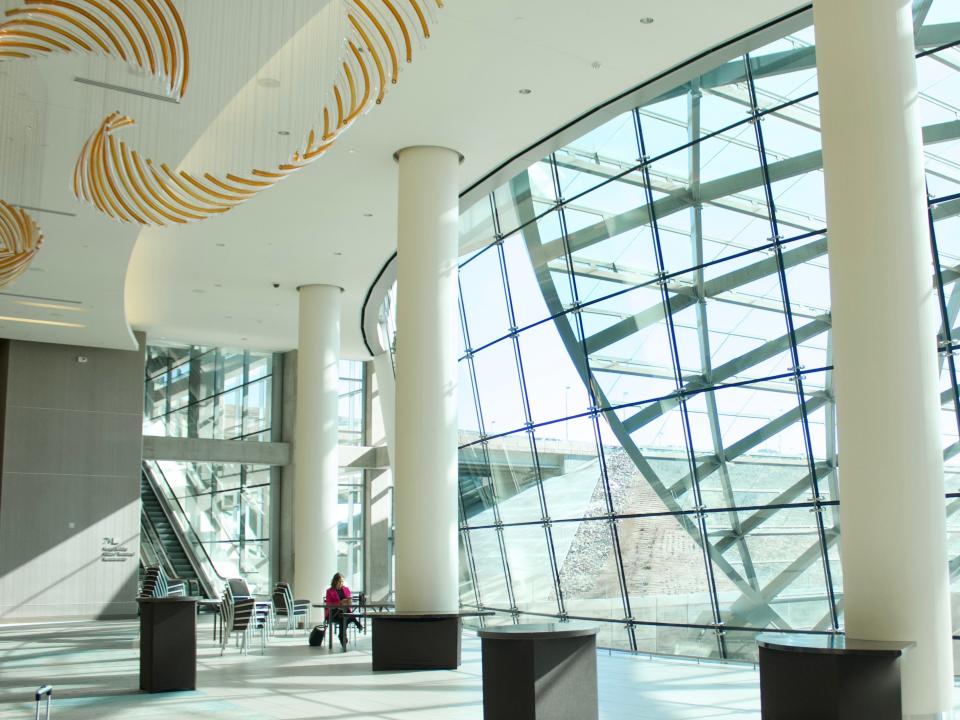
339 594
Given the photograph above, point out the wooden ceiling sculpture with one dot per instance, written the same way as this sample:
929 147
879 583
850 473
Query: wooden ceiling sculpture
20 238
119 182
146 33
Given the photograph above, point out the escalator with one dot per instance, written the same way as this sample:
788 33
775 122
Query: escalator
168 539
161 540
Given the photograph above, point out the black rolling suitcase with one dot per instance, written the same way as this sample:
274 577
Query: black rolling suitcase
316 635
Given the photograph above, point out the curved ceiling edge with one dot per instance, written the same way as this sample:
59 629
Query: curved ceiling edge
584 123
629 99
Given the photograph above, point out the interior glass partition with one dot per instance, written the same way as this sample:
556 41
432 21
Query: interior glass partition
647 418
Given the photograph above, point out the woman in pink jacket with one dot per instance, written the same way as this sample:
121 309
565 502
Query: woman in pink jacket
339 594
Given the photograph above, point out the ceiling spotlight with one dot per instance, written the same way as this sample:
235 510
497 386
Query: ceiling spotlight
284 133
351 151
337 253
524 91
368 215
646 20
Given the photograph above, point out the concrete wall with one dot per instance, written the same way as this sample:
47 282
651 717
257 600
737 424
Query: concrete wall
287 472
70 488
156 447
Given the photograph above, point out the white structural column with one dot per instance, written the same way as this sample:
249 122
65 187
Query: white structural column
892 510
425 458
315 442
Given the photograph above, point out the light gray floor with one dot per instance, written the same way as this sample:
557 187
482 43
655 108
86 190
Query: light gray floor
93 668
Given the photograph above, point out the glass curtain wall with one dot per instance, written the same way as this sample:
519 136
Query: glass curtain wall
350 502
222 394
228 506
201 392
351 402
350 515
647 420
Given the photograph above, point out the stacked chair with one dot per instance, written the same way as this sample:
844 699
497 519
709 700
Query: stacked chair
284 606
241 591
157 584
243 616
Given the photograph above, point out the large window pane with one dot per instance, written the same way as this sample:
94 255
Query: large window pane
715 439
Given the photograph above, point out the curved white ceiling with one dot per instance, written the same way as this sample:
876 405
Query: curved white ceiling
334 222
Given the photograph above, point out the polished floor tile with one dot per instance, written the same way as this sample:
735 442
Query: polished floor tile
93 668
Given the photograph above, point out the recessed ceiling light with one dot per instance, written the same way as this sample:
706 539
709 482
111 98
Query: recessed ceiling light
30 321
198 291
351 151
243 339
368 215
217 285
524 91
268 82
49 306
229 317
646 20
283 132
337 253
221 244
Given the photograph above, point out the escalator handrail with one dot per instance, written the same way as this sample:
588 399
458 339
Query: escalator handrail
156 545
189 526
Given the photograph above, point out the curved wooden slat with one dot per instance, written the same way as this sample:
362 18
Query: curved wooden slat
20 240
146 33
122 185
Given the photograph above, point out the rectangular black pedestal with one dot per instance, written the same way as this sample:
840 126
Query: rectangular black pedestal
168 644
803 685
545 679
404 642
